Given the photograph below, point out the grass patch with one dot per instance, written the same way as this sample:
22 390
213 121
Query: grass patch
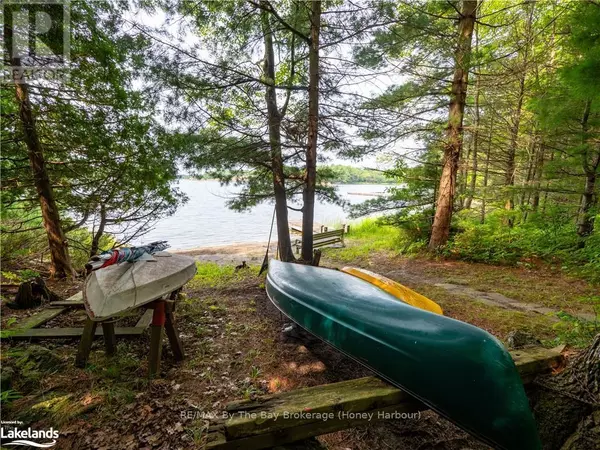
550 288
365 238
499 321
213 275
495 320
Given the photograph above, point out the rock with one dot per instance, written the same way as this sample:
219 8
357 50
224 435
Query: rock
6 378
521 339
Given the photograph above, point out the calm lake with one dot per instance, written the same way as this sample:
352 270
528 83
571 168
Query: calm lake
205 220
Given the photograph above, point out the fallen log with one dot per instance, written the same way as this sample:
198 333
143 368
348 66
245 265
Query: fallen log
295 415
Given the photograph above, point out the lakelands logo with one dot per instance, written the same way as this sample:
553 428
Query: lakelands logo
23 437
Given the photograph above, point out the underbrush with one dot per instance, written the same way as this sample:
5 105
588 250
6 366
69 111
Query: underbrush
549 240
539 239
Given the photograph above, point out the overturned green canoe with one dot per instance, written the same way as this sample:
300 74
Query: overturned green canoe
458 370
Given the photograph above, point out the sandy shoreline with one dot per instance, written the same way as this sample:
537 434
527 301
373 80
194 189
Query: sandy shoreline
235 253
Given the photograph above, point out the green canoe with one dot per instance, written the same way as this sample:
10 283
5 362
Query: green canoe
458 370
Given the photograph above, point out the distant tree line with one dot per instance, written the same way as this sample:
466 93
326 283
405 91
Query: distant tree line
333 173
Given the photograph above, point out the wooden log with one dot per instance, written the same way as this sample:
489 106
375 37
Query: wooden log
218 440
359 395
260 423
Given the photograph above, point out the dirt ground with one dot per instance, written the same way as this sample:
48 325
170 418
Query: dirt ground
235 349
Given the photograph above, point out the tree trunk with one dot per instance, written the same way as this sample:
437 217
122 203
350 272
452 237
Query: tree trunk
60 263
274 123
545 202
539 169
454 132
514 129
591 161
509 177
486 172
526 188
465 175
471 190
308 211
99 232
562 401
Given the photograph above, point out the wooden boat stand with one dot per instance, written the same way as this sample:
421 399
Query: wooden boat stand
162 319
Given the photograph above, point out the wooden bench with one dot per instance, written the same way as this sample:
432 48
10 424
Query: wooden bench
277 419
323 239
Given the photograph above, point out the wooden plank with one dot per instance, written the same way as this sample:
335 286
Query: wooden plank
66 303
256 424
37 319
326 234
218 441
75 300
361 394
326 242
78 297
69 333
145 320
536 360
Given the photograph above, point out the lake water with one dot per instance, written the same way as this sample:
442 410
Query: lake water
205 220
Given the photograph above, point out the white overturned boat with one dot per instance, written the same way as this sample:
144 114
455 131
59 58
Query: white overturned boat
119 288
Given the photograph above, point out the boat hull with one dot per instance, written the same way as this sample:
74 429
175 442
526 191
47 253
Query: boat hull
114 290
396 289
458 370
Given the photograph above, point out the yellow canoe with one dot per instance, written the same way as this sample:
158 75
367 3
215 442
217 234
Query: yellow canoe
396 289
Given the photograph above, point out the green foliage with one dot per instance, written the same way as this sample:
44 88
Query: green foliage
353 175
574 331
213 275
108 158
552 241
8 396
366 237
21 247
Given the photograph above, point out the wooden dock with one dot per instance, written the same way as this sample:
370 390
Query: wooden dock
296 415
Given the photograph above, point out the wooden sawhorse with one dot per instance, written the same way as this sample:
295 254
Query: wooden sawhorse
162 318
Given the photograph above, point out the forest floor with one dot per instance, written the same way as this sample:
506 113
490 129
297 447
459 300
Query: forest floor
235 349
